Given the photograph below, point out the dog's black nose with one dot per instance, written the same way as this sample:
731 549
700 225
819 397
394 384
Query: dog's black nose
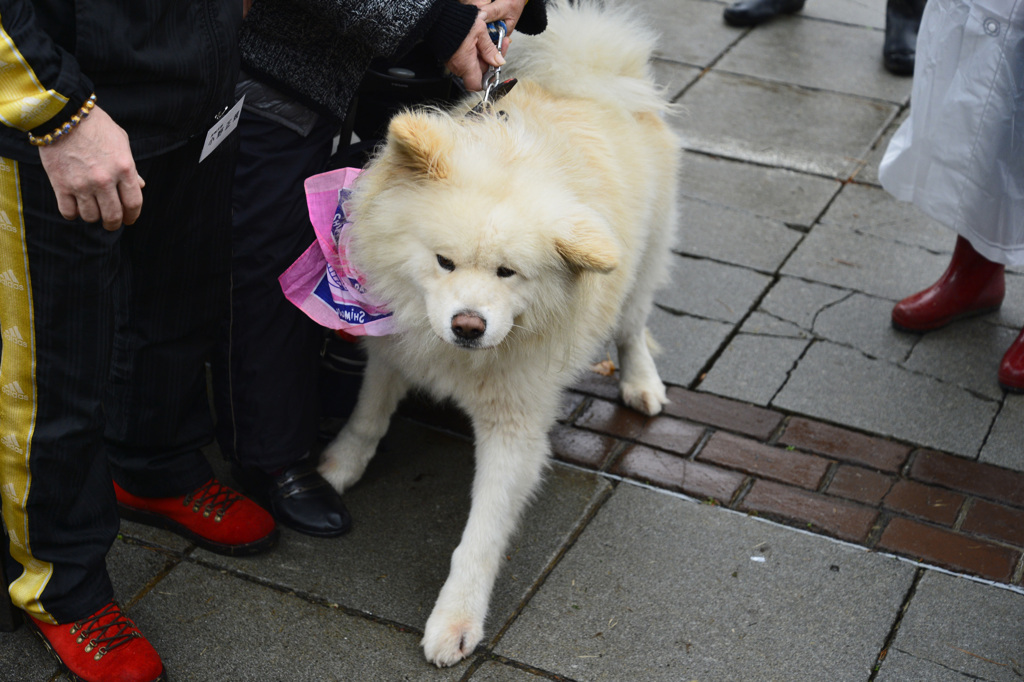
468 326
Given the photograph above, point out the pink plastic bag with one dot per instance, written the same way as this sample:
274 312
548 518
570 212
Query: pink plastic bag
322 282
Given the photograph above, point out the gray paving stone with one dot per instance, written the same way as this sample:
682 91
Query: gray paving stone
132 567
864 322
691 31
777 124
819 55
843 386
408 515
154 536
963 626
856 12
717 291
799 301
23 658
1003 447
193 618
835 255
899 667
868 172
1011 314
794 198
493 671
873 211
978 348
768 325
687 344
753 368
674 77
732 236
660 588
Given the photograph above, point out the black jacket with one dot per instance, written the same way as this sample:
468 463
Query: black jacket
162 69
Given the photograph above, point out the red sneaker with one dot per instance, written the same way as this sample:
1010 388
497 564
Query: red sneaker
105 647
213 516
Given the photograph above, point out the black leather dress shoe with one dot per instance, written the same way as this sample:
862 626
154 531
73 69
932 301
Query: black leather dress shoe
754 12
902 20
299 498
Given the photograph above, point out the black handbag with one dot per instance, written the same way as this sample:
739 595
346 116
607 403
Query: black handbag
389 86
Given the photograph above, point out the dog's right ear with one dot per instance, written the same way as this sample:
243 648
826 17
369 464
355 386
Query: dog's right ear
421 143
589 245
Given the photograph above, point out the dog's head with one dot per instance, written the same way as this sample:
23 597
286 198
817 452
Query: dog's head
458 226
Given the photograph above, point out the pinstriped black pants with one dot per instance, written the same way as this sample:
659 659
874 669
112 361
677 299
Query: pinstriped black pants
266 374
105 336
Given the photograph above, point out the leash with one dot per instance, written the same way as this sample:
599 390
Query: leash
494 87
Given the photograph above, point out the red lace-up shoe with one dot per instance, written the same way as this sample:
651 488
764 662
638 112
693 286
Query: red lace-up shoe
105 647
213 516
1011 369
971 285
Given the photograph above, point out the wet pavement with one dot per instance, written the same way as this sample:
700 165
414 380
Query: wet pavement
824 499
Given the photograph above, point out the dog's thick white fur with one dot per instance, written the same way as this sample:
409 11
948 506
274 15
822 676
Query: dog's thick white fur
511 249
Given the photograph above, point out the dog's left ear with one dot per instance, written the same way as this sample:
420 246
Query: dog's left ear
589 245
421 143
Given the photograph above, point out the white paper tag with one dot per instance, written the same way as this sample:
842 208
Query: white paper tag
222 128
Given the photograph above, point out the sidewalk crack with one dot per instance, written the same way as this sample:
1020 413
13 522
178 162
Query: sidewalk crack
891 638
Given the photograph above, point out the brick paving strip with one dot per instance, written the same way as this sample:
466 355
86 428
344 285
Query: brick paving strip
933 507
930 506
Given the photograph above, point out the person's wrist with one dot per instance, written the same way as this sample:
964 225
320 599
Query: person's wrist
64 130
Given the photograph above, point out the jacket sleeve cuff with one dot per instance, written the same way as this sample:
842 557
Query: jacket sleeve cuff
450 28
534 18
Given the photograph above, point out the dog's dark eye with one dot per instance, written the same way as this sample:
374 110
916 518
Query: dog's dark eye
445 263
505 272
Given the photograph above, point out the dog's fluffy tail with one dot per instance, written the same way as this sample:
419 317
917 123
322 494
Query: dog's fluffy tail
594 50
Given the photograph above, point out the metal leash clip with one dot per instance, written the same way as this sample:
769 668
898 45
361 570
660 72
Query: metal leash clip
493 88
497 32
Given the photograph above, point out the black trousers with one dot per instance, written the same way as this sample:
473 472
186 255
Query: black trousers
267 371
105 336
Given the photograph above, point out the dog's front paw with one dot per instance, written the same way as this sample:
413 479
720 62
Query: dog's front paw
646 398
340 467
449 638
338 475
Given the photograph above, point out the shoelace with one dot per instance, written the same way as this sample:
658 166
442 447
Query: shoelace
124 630
209 495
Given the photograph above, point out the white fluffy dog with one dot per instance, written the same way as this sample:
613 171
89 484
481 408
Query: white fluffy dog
512 247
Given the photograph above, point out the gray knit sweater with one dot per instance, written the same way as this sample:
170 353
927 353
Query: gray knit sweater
318 50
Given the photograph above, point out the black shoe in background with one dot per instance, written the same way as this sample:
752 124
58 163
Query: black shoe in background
754 12
902 20
299 498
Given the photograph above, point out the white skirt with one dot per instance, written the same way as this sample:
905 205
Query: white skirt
960 154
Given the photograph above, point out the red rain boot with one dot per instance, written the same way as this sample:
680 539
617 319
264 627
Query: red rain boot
971 285
1011 369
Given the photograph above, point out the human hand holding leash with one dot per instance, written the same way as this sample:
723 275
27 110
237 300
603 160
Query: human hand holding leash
475 55
478 52
508 11
93 173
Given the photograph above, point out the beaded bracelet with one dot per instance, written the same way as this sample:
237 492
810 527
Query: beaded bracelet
50 138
